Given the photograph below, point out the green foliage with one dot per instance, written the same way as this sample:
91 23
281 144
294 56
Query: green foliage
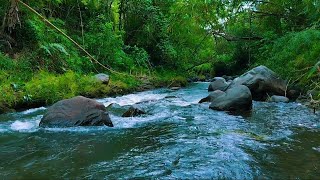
293 55
50 88
8 97
145 26
140 36
6 63
165 78
314 70
106 44
53 48
204 69
56 88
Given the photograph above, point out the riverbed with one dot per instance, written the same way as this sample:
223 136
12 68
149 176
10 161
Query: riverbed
177 139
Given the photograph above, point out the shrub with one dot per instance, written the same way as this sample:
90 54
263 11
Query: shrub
293 55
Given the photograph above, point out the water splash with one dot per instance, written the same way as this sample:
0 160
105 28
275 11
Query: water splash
27 125
132 99
30 111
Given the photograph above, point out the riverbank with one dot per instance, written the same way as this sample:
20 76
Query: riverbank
24 90
44 88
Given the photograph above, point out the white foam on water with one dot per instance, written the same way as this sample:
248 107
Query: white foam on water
3 130
181 103
18 125
130 122
316 149
200 117
29 111
179 118
132 99
25 125
79 129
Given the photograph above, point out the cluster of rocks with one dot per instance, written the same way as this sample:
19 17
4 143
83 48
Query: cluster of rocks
260 84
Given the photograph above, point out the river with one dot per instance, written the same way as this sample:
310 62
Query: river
177 139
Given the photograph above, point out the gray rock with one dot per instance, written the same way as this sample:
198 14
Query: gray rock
218 83
116 109
213 95
103 78
228 78
293 94
170 97
275 98
237 98
77 111
262 82
133 111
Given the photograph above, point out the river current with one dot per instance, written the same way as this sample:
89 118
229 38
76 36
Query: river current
177 139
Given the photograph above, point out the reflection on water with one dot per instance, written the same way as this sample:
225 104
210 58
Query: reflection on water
177 139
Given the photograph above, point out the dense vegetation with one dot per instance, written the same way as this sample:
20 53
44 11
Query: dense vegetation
160 39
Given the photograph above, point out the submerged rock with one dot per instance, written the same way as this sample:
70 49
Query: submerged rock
103 78
237 98
133 111
170 97
212 96
262 82
116 109
77 111
275 98
175 88
218 83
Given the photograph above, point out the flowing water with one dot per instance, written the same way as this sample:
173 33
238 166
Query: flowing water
177 139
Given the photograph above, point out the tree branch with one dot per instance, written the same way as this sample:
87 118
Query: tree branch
267 14
229 37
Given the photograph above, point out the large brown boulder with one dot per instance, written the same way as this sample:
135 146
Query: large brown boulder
237 98
262 83
77 111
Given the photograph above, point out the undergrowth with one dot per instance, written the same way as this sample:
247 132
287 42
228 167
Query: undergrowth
22 87
295 57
